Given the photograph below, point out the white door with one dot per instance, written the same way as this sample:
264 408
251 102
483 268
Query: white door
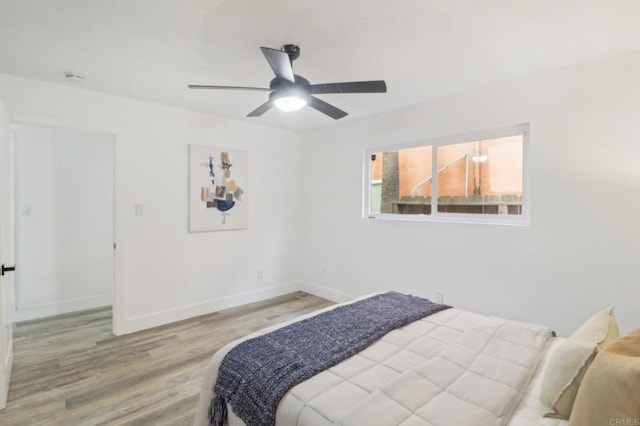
7 231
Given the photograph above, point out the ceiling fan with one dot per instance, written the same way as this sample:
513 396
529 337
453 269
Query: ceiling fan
291 92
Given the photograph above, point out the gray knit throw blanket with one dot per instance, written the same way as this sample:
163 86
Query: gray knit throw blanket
256 373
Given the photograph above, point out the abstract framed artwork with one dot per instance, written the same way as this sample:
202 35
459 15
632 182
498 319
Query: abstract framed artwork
217 189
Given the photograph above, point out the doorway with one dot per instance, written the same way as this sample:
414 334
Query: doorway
64 220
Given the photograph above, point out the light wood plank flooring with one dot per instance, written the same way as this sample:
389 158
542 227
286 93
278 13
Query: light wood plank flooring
71 370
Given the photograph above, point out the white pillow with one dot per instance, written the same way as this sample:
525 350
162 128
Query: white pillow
570 361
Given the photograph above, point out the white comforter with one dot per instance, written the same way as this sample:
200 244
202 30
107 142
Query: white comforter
451 368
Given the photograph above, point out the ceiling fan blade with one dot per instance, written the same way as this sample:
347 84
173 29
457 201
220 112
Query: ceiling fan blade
199 86
279 62
376 86
326 108
261 109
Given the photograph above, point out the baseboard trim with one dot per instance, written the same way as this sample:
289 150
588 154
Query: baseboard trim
34 312
326 293
142 322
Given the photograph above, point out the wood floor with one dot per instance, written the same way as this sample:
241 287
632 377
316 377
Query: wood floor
71 370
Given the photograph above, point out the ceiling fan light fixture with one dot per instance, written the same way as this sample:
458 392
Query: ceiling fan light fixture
290 102
291 92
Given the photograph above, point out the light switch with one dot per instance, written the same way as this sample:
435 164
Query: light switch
139 209
26 210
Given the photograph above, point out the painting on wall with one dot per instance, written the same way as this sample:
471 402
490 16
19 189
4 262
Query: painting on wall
217 189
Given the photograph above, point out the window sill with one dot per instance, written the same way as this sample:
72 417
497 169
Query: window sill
493 219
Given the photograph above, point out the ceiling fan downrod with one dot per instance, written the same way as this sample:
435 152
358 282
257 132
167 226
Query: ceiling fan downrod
292 50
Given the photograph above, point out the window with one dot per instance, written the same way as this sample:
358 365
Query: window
479 177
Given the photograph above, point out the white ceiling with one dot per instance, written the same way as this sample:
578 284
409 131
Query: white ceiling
424 49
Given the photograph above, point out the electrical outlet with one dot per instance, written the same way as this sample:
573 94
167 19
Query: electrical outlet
439 298
260 274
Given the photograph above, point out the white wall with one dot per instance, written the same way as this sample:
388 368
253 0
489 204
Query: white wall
580 253
164 273
64 225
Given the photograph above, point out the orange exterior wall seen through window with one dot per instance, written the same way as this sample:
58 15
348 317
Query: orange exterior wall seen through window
500 173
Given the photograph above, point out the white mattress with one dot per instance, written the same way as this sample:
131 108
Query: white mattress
431 372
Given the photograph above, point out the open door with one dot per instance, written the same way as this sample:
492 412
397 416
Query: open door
7 231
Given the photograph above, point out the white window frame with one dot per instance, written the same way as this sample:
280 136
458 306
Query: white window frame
523 219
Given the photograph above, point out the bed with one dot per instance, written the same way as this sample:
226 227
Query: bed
450 367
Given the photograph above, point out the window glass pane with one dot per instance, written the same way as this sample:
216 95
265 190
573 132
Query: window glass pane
401 181
481 177
376 182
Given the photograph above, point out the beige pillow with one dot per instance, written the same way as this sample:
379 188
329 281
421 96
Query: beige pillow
570 361
610 391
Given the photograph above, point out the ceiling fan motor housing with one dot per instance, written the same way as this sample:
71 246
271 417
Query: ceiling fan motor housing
282 83
282 87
